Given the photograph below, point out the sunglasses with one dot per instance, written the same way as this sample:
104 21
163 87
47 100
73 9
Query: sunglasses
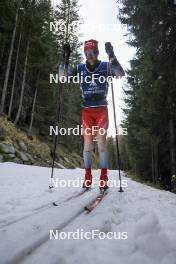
91 53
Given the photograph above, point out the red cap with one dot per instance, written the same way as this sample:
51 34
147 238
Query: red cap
90 44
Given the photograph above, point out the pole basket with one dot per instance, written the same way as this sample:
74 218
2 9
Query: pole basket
121 190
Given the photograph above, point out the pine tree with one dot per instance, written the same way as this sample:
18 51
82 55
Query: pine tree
29 98
150 91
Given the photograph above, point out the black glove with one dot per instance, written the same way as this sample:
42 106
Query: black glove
66 53
109 49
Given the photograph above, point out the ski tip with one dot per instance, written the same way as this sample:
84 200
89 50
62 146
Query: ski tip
86 208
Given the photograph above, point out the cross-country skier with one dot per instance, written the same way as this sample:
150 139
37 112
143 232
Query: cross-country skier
94 87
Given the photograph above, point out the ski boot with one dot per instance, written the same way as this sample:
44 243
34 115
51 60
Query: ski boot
103 184
88 179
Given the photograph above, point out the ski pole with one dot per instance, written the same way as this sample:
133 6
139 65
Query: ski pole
108 46
58 120
66 56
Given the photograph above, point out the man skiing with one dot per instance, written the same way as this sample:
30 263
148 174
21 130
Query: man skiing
94 88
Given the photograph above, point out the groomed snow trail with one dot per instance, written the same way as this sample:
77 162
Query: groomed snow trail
147 215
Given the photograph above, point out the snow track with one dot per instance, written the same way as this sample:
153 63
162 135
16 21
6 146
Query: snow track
27 215
42 208
25 252
39 233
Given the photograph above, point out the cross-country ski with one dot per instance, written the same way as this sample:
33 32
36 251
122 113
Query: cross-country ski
97 200
80 193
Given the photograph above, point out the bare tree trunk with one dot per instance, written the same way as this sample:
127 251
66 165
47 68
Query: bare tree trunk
33 107
14 78
23 85
156 161
172 147
8 66
153 162
2 51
